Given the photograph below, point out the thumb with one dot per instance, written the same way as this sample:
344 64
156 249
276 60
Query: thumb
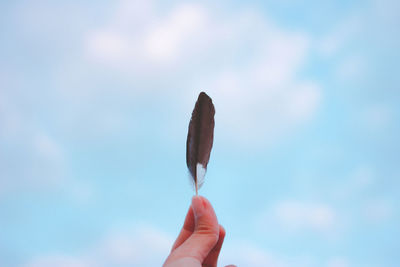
206 230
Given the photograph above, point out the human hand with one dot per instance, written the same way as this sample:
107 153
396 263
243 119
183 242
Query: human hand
200 240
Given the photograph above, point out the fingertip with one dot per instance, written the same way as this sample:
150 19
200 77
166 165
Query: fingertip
198 206
201 205
200 200
196 200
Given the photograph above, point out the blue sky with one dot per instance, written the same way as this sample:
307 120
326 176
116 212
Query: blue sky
96 97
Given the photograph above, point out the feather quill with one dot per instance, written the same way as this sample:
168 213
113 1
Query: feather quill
200 139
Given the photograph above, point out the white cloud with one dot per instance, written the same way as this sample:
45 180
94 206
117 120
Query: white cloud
162 41
30 158
137 245
107 46
250 255
299 216
148 246
263 99
165 41
246 63
57 260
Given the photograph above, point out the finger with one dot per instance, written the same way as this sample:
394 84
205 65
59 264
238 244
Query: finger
187 229
212 258
205 234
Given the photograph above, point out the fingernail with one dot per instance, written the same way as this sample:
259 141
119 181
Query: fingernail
198 205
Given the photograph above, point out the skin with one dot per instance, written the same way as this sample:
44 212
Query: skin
200 240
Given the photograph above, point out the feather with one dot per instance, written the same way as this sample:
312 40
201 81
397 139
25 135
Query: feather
200 139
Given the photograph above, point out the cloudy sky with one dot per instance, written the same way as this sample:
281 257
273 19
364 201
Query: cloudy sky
96 97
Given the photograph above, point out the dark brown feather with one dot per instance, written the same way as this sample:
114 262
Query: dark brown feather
200 136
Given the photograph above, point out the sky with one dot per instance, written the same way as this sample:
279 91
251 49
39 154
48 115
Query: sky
95 101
